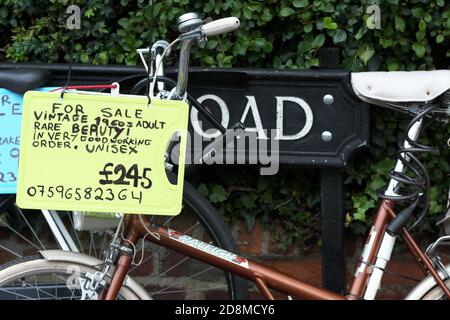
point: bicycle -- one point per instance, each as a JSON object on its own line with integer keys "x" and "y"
{"x": 430, "y": 98}
{"x": 76, "y": 232}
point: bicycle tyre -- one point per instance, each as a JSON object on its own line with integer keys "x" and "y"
{"x": 218, "y": 232}
{"x": 13, "y": 277}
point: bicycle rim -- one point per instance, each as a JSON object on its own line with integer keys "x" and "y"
{"x": 34, "y": 278}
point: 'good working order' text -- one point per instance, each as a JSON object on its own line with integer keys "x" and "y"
{"x": 110, "y": 131}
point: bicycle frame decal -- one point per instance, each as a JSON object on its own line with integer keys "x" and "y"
{"x": 366, "y": 251}
{"x": 208, "y": 248}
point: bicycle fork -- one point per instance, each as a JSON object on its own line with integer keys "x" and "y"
{"x": 125, "y": 258}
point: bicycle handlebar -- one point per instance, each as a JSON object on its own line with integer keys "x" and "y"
{"x": 217, "y": 27}
{"x": 220, "y": 26}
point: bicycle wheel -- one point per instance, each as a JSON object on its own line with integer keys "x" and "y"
{"x": 167, "y": 274}
{"x": 35, "y": 278}
{"x": 164, "y": 273}
{"x": 436, "y": 293}
{"x": 24, "y": 232}
{"x": 428, "y": 289}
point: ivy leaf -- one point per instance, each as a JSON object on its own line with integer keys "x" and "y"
{"x": 300, "y": 3}
{"x": 319, "y": 41}
{"x": 208, "y": 60}
{"x": 218, "y": 194}
{"x": 393, "y": 66}
{"x": 365, "y": 53}
{"x": 362, "y": 204}
{"x": 3, "y": 12}
{"x": 339, "y": 36}
{"x": 260, "y": 42}
{"x": 419, "y": 49}
{"x": 84, "y": 58}
{"x": 286, "y": 12}
{"x": 439, "y": 38}
{"x": 399, "y": 24}
{"x": 329, "y": 24}
{"x": 361, "y": 32}
{"x": 422, "y": 25}
{"x": 308, "y": 28}
{"x": 328, "y": 7}
{"x": 266, "y": 16}
{"x": 203, "y": 189}
{"x": 417, "y": 12}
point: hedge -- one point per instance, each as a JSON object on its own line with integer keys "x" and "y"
{"x": 414, "y": 35}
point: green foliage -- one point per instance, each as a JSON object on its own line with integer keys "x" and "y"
{"x": 287, "y": 203}
{"x": 274, "y": 33}
{"x": 366, "y": 178}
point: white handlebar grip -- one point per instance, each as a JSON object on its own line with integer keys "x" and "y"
{"x": 220, "y": 26}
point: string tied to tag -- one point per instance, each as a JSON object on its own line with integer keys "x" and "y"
{"x": 69, "y": 72}
{"x": 149, "y": 69}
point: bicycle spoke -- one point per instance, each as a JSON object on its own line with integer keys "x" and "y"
{"x": 187, "y": 290}
{"x": 80, "y": 246}
{"x": 56, "y": 288}
{"x": 37, "y": 291}
{"x": 157, "y": 251}
{"x": 168, "y": 220}
{"x": 29, "y": 225}
{"x": 22, "y": 283}
{"x": 15, "y": 293}
{"x": 185, "y": 279}
{"x": 168, "y": 270}
{"x": 91, "y": 243}
{"x": 102, "y": 248}
{"x": 21, "y": 236}
{"x": 10, "y": 251}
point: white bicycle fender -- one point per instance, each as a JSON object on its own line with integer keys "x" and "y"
{"x": 424, "y": 286}
{"x": 70, "y": 256}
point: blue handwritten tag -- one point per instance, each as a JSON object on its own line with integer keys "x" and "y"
{"x": 10, "y": 123}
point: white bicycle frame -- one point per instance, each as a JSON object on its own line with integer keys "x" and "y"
{"x": 59, "y": 230}
{"x": 388, "y": 242}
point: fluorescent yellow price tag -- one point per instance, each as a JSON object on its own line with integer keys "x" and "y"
{"x": 92, "y": 152}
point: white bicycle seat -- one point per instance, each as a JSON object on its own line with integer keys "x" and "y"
{"x": 400, "y": 86}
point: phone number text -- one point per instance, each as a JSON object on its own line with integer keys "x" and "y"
{"x": 98, "y": 193}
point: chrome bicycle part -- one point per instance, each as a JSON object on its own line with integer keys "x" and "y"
{"x": 188, "y": 22}
{"x": 192, "y": 28}
{"x": 437, "y": 261}
{"x": 90, "y": 283}
{"x": 159, "y": 47}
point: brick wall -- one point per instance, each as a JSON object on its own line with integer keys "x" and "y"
{"x": 260, "y": 246}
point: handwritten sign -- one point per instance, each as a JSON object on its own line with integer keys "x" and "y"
{"x": 10, "y": 122}
{"x": 99, "y": 153}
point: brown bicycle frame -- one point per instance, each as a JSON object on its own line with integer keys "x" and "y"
{"x": 266, "y": 277}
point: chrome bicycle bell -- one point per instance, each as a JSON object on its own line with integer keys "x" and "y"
{"x": 188, "y": 22}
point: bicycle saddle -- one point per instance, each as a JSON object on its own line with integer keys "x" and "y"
{"x": 401, "y": 86}
{"x": 22, "y": 80}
